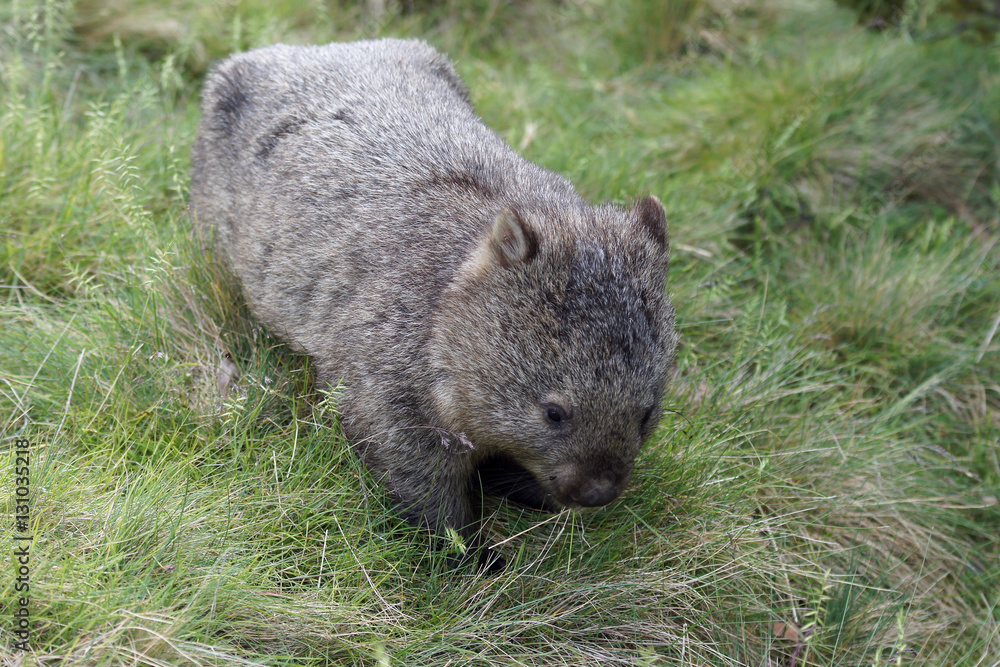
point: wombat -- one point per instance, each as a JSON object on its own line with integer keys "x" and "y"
{"x": 491, "y": 330}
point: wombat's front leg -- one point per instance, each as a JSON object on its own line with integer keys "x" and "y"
{"x": 432, "y": 491}
{"x": 437, "y": 498}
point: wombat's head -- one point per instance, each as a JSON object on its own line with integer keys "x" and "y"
{"x": 553, "y": 344}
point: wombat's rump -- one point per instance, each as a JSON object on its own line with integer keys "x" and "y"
{"x": 483, "y": 318}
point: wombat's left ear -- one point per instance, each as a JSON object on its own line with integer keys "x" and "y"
{"x": 512, "y": 240}
{"x": 652, "y": 219}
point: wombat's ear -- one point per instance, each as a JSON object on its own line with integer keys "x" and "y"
{"x": 653, "y": 220}
{"x": 512, "y": 241}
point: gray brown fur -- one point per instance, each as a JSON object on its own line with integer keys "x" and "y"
{"x": 480, "y": 314}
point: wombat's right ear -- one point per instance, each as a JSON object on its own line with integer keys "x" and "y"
{"x": 653, "y": 220}
{"x": 512, "y": 241}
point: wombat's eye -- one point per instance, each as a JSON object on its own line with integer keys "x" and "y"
{"x": 555, "y": 414}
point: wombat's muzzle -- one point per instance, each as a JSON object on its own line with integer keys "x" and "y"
{"x": 597, "y": 491}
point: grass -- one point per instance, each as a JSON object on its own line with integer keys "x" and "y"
{"x": 822, "y": 490}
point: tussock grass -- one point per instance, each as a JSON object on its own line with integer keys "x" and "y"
{"x": 822, "y": 489}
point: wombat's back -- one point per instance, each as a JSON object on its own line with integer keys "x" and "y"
{"x": 358, "y": 121}
{"x": 352, "y": 155}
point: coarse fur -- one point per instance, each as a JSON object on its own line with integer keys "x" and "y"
{"x": 486, "y": 323}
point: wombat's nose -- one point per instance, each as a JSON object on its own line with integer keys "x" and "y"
{"x": 598, "y": 491}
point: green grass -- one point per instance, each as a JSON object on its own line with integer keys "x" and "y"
{"x": 823, "y": 488}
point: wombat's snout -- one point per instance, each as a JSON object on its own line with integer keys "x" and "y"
{"x": 598, "y": 491}
{"x": 584, "y": 488}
